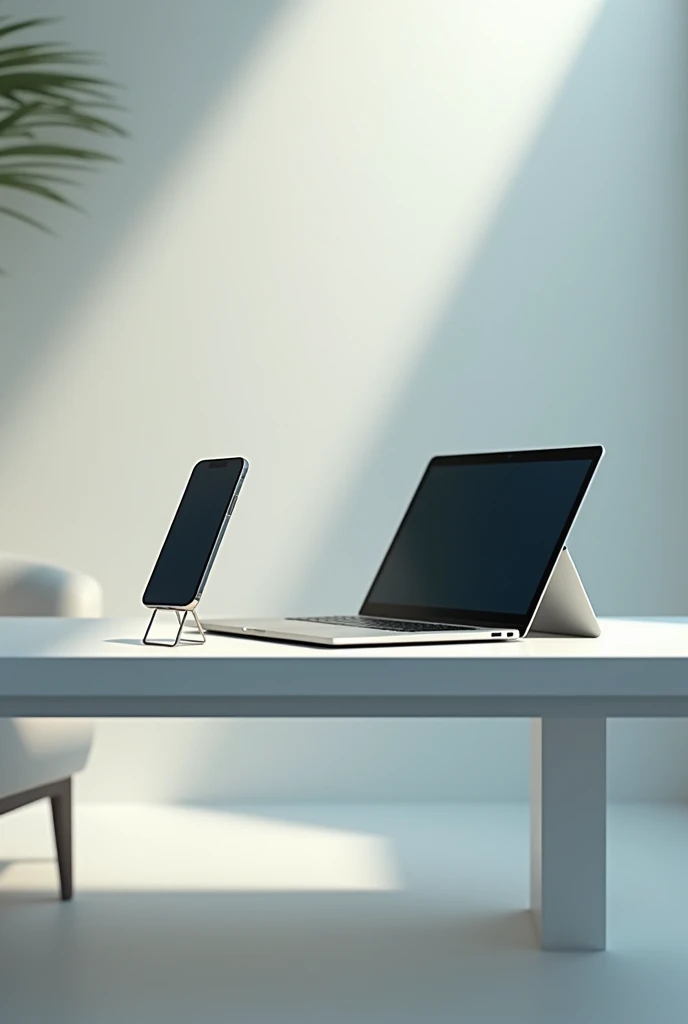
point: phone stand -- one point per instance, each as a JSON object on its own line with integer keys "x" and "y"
{"x": 179, "y": 639}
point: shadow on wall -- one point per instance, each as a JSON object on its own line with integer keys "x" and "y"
{"x": 569, "y": 327}
{"x": 173, "y": 59}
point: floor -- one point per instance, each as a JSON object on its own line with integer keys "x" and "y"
{"x": 329, "y": 914}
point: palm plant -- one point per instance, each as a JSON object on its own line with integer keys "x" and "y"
{"x": 47, "y": 106}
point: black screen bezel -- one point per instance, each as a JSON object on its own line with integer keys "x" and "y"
{"x": 475, "y": 617}
{"x": 204, "y": 464}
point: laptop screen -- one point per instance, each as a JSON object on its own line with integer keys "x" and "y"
{"x": 481, "y": 537}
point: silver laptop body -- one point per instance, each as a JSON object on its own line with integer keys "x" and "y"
{"x": 470, "y": 561}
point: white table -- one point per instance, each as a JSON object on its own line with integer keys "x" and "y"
{"x": 98, "y": 668}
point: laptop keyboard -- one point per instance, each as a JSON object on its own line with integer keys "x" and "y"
{"x": 394, "y": 625}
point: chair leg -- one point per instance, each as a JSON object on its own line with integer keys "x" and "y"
{"x": 62, "y": 821}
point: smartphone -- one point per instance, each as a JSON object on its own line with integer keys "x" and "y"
{"x": 194, "y": 537}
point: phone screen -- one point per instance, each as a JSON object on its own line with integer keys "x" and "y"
{"x": 197, "y": 527}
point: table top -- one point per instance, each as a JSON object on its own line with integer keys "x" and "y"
{"x": 99, "y": 667}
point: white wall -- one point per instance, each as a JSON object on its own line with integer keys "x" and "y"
{"x": 346, "y": 235}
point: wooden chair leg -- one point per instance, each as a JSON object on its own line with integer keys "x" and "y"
{"x": 62, "y": 821}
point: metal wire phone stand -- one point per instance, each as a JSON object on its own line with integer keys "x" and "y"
{"x": 179, "y": 638}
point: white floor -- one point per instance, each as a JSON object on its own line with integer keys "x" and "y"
{"x": 329, "y": 914}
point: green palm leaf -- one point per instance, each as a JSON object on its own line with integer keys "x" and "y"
{"x": 47, "y": 105}
{"x": 21, "y": 26}
{"x": 24, "y": 217}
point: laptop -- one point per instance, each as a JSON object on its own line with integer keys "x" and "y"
{"x": 470, "y": 561}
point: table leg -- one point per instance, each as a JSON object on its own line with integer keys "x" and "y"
{"x": 568, "y": 832}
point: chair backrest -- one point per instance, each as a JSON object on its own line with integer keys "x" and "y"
{"x": 34, "y": 751}
{"x": 34, "y": 588}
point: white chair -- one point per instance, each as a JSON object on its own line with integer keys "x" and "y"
{"x": 39, "y": 756}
